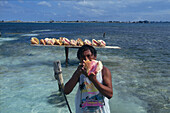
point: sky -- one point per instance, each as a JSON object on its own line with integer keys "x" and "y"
{"x": 85, "y": 10}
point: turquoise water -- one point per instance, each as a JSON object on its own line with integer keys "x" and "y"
{"x": 140, "y": 70}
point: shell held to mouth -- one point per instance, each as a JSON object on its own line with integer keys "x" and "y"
{"x": 93, "y": 67}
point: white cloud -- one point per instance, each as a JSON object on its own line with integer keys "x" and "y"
{"x": 59, "y": 4}
{"x": 54, "y": 14}
{"x": 97, "y": 11}
{"x": 21, "y": 1}
{"x": 68, "y": 15}
{"x": 88, "y": 8}
{"x": 77, "y": 8}
{"x": 44, "y": 3}
{"x": 3, "y": 3}
{"x": 149, "y": 7}
{"x": 85, "y": 3}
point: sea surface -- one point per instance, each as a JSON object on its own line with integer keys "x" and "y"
{"x": 140, "y": 69}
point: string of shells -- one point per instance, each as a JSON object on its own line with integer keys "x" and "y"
{"x": 65, "y": 41}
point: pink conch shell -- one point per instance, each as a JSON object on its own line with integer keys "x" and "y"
{"x": 93, "y": 67}
{"x": 65, "y": 41}
{"x": 49, "y": 41}
{"x": 95, "y": 42}
{"x": 101, "y": 43}
{"x": 42, "y": 42}
{"x": 34, "y": 40}
{"x": 73, "y": 42}
{"x": 58, "y": 42}
{"x": 87, "y": 42}
{"x": 80, "y": 42}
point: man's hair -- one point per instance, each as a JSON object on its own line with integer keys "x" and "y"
{"x": 85, "y": 48}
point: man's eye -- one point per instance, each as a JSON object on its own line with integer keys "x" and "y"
{"x": 88, "y": 56}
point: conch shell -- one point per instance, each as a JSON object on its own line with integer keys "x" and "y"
{"x": 58, "y": 42}
{"x": 42, "y": 42}
{"x": 87, "y": 42}
{"x": 34, "y": 40}
{"x": 73, "y": 42}
{"x": 101, "y": 43}
{"x": 49, "y": 41}
{"x": 93, "y": 67}
{"x": 95, "y": 42}
{"x": 80, "y": 42}
{"x": 64, "y": 41}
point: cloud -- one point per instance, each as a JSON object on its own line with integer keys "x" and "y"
{"x": 84, "y": 3}
{"x": 97, "y": 11}
{"x": 149, "y": 7}
{"x": 44, "y": 3}
{"x": 87, "y": 9}
{"x": 3, "y": 3}
{"x": 59, "y": 4}
{"x": 21, "y": 1}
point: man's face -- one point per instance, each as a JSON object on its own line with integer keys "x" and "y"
{"x": 87, "y": 55}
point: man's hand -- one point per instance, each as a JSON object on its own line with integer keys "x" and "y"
{"x": 84, "y": 71}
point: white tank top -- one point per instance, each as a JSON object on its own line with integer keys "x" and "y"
{"x": 88, "y": 99}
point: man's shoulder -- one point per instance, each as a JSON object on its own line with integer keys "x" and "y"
{"x": 105, "y": 70}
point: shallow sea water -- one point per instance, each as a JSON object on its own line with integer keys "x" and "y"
{"x": 140, "y": 70}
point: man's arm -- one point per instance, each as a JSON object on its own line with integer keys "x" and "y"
{"x": 69, "y": 86}
{"x": 105, "y": 88}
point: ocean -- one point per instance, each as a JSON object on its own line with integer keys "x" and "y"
{"x": 140, "y": 69}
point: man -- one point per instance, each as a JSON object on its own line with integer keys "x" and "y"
{"x": 94, "y": 91}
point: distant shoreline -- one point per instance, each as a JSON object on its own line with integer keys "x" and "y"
{"x": 52, "y": 21}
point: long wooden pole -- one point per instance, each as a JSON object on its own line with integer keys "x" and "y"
{"x": 58, "y": 76}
